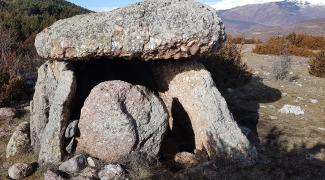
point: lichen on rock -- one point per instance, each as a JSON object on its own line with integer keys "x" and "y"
{"x": 163, "y": 29}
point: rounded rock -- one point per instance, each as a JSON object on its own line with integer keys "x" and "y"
{"x": 112, "y": 171}
{"x": 185, "y": 160}
{"x": 118, "y": 118}
{"x": 7, "y": 113}
{"x": 20, "y": 171}
{"x": 74, "y": 165}
{"x": 19, "y": 141}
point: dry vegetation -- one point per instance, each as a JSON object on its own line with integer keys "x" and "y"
{"x": 297, "y": 44}
{"x": 226, "y": 67}
{"x": 317, "y": 65}
{"x": 11, "y": 85}
{"x": 243, "y": 40}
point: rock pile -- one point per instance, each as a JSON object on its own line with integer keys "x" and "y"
{"x": 128, "y": 76}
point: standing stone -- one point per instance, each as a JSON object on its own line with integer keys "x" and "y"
{"x": 19, "y": 141}
{"x": 118, "y": 118}
{"x": 190, "y": 86}
{"x": 151, "y": 29}
{"x": 50, "y": 110}
{"x": 20, "y": 171}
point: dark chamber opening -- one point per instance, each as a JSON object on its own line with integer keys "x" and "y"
{"x": 93, "y": 72}
{"x": 182, "y": 128}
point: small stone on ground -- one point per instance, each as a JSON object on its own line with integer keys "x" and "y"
{"x": 290, "y": 109}
{"x": 20, "y": 171}
{"x": 74, "y": 165}
{"x": 112, "y": 171}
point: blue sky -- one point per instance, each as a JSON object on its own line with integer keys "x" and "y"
{"x": 105, "y": 5}
{"x": 109, "y": 4}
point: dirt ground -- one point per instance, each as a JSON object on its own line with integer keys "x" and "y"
{"x": 290, "y": 146}
{"x": 302, "y": 90}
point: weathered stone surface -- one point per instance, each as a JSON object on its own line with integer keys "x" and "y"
{"x": 7, "y": 113}
{"x": 70, "y": 147}
{"x": 71, "y": 129}
{"x": 86, "y": 174}
{"x": 118, "y": 118}
{"x": 290, "y": 109}
{"x": 93, "y": 162}
{"x": 74, "y": 165}
{"x": 185, "y": 160}
{"x": 51, "y": 175}
{"x": 20, "y": 171}
{"x": 19, "y": 141}
{"x": 152, "y": 29}
{"x": 188, "y": 87}
{"x": 50, "y": 110}
{"x": 112, "y": 171}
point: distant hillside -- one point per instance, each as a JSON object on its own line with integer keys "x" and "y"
{"x": 20, "y": 21}
{"x": 274, "y": 18}
{"x": 25, "y": 17}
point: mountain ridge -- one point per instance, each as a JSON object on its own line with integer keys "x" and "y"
{"x": 279, "y": 17}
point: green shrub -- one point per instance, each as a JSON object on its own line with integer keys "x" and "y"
{"x": 317, "y": 65}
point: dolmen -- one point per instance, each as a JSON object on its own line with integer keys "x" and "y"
{"x": 127, "y": 80}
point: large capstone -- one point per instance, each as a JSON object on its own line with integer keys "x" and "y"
{"x": 151, "y": 29}
{"x": 50, "y": 110}
{"x": 199, "y": 115}
{"x": 118, "y": 118}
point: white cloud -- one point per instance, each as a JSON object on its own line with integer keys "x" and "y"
{"x": 227, "y": 4}
{"x": 103, "y": 9}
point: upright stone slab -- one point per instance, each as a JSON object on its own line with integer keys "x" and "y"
{"x": 50, "y": 110}
{"x": 189, "y": 87}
